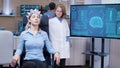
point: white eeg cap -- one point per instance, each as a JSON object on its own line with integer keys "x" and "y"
{"x": 35, "y": 11}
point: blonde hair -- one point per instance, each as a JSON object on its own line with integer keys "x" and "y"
{"x": 63, "y": 10}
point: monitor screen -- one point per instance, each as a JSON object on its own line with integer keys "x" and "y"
{"x": 26, "y": 8}
{"x": 95, "y": 20}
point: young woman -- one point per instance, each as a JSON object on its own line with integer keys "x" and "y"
{"x": 59, "y": 34}
{"x": 34, "y": 39}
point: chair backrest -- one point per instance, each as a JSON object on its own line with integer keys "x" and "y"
{"x": 6, "y": 47}
{"x": 44, "y": 23}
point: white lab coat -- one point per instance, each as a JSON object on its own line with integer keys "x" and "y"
{"x": 57, "y": 33}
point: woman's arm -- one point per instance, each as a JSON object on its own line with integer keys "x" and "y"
{"x": 67, "y": 31}
{"x": 18, "y": 52}
{"x": 48, "y": 45}
{"x": 51, "y": 50}
{"x": 20, "y": 45}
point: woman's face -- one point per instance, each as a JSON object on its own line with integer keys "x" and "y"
{"x": 34, "y": 19}
{"x": 59, "y": 12}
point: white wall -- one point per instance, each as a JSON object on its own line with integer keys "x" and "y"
{"x": 115, "y": 54}
{"x": 110, "y": 1}
{"x": 92, "y": 1}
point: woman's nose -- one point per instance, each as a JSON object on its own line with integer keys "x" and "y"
{"x": 36, "y": 18}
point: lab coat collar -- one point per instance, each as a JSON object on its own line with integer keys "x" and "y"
{"x": 60, "y": 19}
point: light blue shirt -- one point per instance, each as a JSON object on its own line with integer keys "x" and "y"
{"x": 34, "y": 45}
{"x": 50, "y": 14}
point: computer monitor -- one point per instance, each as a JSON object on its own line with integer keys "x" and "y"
{"x": 26, "y": 8}
{"x": 95, "y": 20}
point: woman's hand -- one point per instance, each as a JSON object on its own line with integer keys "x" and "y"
{"x": 57, "y": 57}
{"x": 15, "y": 60}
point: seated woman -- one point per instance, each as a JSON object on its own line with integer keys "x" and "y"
{"x": 34, "y": 39}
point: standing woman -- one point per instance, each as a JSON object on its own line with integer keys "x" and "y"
{"x": 34, "y": 39}
{"x": 59, "y": 34}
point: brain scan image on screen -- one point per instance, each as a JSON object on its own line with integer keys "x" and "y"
{"x": 118, "y": 28}
{"x": 118, "y": 15}
{"x": 96, "y": 22}
{"x": 99, "y": 20}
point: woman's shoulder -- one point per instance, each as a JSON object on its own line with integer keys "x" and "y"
{"x": 23, "y": 32}
{"x": 52, "y": 18}
{"x": 43, "y": 32}
{"x": 64, "y": 19}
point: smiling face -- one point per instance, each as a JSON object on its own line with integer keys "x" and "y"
{"x": 34, "y": 19}
{"x": 59, "y": 12}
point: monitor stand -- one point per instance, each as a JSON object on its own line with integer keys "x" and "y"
{"x": 92, "y": 53}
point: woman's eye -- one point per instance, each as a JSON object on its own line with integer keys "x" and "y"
{"x": 38, "y": 17}
{"x": 33, "y": 16}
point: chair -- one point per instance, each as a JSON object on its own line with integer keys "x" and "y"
{"x": 6, "y": 47}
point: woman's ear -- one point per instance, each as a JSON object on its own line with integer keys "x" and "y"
{"x": 29, "y": 21}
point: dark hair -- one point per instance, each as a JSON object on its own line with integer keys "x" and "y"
{"x": 52, "y": 5}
